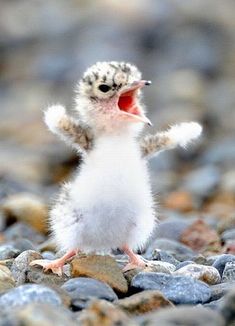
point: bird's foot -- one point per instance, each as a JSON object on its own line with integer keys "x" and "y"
{"x": 135, "y": 261}
{"x": 56, "y": 266}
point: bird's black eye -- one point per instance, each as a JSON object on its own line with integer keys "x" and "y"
{"x": 104, "y": 88}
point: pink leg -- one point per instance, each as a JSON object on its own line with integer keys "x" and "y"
{"x": 56, "y": 266}
{"x": 135, "y": 261}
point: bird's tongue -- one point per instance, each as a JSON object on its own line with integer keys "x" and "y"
{"x": 127, "y": 104}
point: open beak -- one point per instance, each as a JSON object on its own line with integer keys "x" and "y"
{"x": 127, "y": 103}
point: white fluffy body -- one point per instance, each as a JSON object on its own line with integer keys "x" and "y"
{"x": 109, "y": 203}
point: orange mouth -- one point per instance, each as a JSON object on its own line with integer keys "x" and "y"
{"x": 127, "y": 102}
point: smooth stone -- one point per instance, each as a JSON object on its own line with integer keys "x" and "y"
{"x": 184, "y": 263}
{"x": 24, "y": 273}
{"x": 23, "y": 244}
{"x": 27, "y": 208}
{"x": 22, "y": 230}
{"x": 183, "y": 316}
{"x": 219, "y": 290}
{"x": 29, "y": 293}
{"x": 214, "y": 305}
{"x": 102, "y": 268}
{"x": 171, "y": 228}
{"x": 143, "y": 302}
{"x": 7, "y": 281}
{"x": 220, "y": 152}
{"x": 229, "y": 272}
{"x": 228, "y": 235}
{"x": 161, "y": 255}
{"x": 83, "y": 289}
{"x": 174, "y": 248}
{"x": 227, "y": 308}
{"x": 176, "y": 288}
{"x": 207, "y": 274}
{"x": 193, "y": 181}
{"x": 20, "y": 266}
{"x": 48, "y": 255}
{"x": 8, "y": 251}
{"x": 201, "y": 237}
{"x": 221, "y": 261}
{"x": 36, "y": 314}
{"x": 101, "y": 312}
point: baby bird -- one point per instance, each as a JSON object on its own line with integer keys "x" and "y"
{"x": 108, "y": 204}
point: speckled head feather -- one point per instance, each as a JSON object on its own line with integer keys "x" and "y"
{"x": 114, "y": 75}
{"x": 108, "y": 97}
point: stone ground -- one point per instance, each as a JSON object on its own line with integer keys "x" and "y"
{"x": 187, "y": 49}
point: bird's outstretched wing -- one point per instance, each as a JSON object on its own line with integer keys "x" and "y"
{"x": 72, "y": 131}
{"x": 177, "y": 135}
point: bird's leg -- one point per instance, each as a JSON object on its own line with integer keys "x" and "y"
{"x": 135, "y": 261}
{"x": 56, "y": 266}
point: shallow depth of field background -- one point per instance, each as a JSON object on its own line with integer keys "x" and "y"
{"x": 187, "y": 49}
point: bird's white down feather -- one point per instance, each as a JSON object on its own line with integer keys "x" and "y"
{"x": 184, "y": 133}
{"x": 110, "y": 202}
{"x": 53, "y": 115}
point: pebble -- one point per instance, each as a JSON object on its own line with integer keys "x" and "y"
{"x": 228, "y": 235}
{"x": 27, "y": 208}
{"x": 7, "y": 281}
{"x": 227, "y": 308}
{"x": 8, "y": 251}
{"x": 176, "y": 288}
{"x": 219, "y": 290}
{"x": 184, "y": 315}
{"x": 229, "y": 272}
{"x": 180, "y": 201}
{"x": 200, "y": 236}
{"x": 143, "y": 302}
{"x": 171, "y": 228}
{"x": 193, "y": 181}
{"x": 29, "y": 293}
{"x": 207, "y": 274}
{"x": 161, "y": 255}
{"x": 178, "y": 250}
{"x": 83, "y": 289}
{"x": 221, "y": 261}
{"x": 20, "y": 266}
{"x": 102, "y": 268}
{"x": 23, "y": 230}
{"x": 36, "y": 314}
{"x": 101, "y": 312}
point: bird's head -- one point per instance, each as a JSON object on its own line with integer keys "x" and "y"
{"x": 109, "y": 96}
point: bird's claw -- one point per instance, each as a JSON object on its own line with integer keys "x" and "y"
{"x": 55, "y": 266}
{"x": 141, "y": 264}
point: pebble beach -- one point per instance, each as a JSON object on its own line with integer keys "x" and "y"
{"x": 186, "y": 48}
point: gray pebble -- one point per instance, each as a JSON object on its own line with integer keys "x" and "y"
{"x": 161, "y": 255}
{"x": 202, "y": 182}
{"x": 219, "y": 290}
{"x": 183, "y": 316}
{"x": 23, "y": 230}
{"x": 8, "y": 251}
{"x": 228, "y": 235}
{"x": 221, "y": 261}
{"x": 83, "y": 289}
{"x": 29, "y": 293}
{"x": 229, "y": 272}
{"x": 178, "y": 250}
{"x": 179, "y": 289}
{"x": 20, "y": 266}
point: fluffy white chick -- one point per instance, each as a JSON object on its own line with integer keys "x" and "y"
{"x": 108, "y": 204}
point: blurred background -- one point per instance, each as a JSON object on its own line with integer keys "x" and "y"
{"x": 187, "y": 49}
